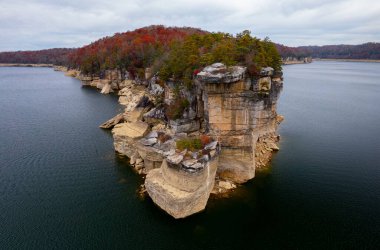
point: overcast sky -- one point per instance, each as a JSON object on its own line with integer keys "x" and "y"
{"x": 39, "y": 24}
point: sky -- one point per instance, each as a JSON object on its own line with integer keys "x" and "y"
{"x": 41, "y": 24}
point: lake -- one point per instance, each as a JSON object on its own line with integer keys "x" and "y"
{"x": 63, "y": 187}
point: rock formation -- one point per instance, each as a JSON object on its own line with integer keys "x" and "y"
{"x": 184, "y": 138}
{"x": 240, "y": 112}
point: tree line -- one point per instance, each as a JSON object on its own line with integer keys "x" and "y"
{"x": 174, "y": 53}
{"x": 47, "y": 56}
{"x": 361, "y": 51}
{"x": 171, "y": 52}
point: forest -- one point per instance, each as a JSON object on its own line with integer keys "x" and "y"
{"x": 47, "y": 56}
{"x": 171, "y": 52}
{"x": 362, "y": 51}
{"x": 175, "y": 53}
{"x": 295, "y": 52}
{"x": 178, "y": 53}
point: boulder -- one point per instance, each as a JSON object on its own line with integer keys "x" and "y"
{"x": 72, "y": 73}
{"x": 273, "y": 146}
{"x": 155, "y": 115}
{"x": 152, "y": 134}
{"x": 184, "y": 125}
{"x": 131, "y": 129}
{"x": 178, "y": 192}
{"x": 148, "y": 141}
{"x": 267, "y": 71}
{"x": 219, "y": 73}
{"x": 113, "y": 121}
{"x": 175, "y": 158}
{"x": 106, "y": 89}
{"x": 134, "y": 115}
{"x": 211, "y": 145}
{"x": 264, "y": 84}
{"x": 131, "y": 96}
{"x": 226, "y": 185}
{"x": 156, "y": 89}
{"x": 189, "y": 163}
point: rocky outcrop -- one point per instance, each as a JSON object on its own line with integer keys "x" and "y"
{"x": 125, "y": 134}
{"x": 296, "y": 60}
{"x": 191, "y": 141}
{"x": 178, "y": 192}
{"x": 239, "y": 113}
{"x": 72, "y": 73}
{"x": 131, "y": 129}
{"x": 113, "y": 121}
{"x": 183, "y": 183}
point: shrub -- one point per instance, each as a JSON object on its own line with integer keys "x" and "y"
{"x": 176, "y": 109}
{"x": 205, "y": 139}
{"x": 190, "y": 144}
{"x": 162, "y": 137}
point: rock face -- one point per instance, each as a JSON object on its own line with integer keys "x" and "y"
{"x": 219, "y": 73}
{"x": 113, "y": 121}
{"x": 131, "y": 129}
{"x": 225, "y": 130}
{"x": 125, "y": 134}
{"x": 179, "y": 192}
{"x": 239, "y": 113}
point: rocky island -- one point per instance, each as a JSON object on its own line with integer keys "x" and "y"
{"x": 194, "y": 124}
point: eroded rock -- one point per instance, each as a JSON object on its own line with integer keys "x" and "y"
{"x": 131, "y": 129}
{"x": 113, "y": 121}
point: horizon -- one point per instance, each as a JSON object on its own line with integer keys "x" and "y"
{"x": 96, "y": 39}
{"x": 43, "y": 24}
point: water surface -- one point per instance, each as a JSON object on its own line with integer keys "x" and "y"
{"x": 62, "y": 187}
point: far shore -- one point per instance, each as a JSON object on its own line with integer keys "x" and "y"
{"x": 25, "y": 65}
{"x": 294, "y": 62}
{"x": 347, "y": 60}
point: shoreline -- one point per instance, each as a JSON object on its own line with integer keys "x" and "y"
{"x": 179, "y": 181}
{"x": 348, "y": 60}
{"x": 26, "y": 65}
{"x": 294, "y": 62}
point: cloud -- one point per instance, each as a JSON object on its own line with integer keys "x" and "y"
{"x": 38, "y": 24}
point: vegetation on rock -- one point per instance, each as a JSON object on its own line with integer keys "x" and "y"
{"x": 174, "y": 53}
{"x": 175, "y": 110}
{"x": 189, "y": 144}
{"x": 132, "y": 51}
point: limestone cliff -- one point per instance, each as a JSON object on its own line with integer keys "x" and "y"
{"x": 184, "y": 138}
{"x": 242, "y": 112}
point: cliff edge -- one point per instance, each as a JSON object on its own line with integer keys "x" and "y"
{"x": 191, "y": 141}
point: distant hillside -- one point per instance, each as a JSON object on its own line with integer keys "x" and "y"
{"x": 294, "y": 52}
{"x": 362, "y": 51}
{"x": 47, "y": 56}
{"x": 173, "y": 52}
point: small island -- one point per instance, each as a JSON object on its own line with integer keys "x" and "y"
{"x": 200, "y": 114}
